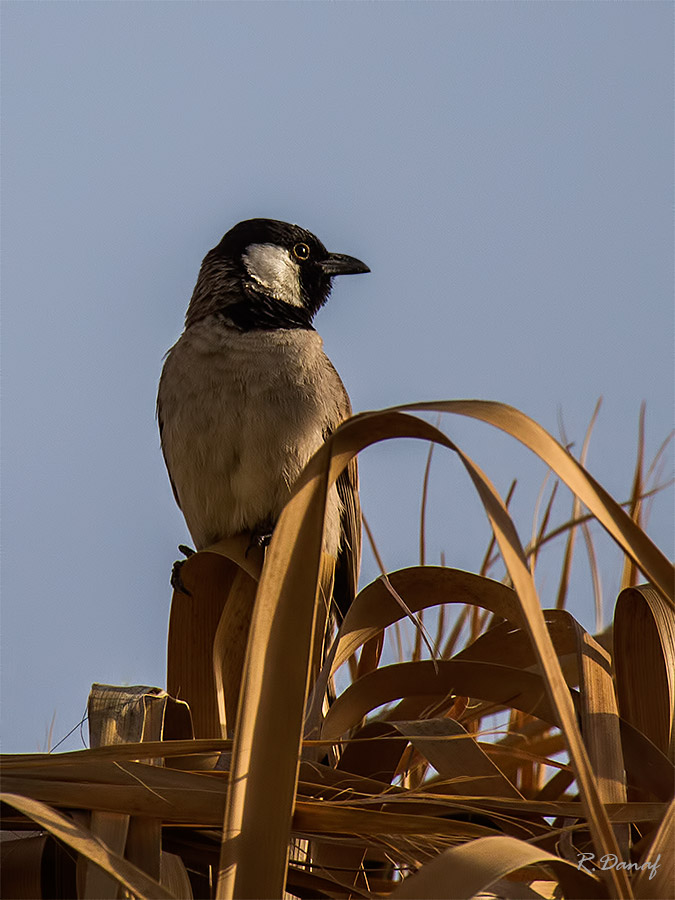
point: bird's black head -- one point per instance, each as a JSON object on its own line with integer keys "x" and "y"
{"x": 269, "y": 274}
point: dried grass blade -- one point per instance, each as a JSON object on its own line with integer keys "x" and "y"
{"x": 465, "y": 871}
{"x": 311, "y": 884}
{"x": 455, "y": 632}
{"x": 458, "y": 756}
{"x": 266, "y": 750}
{"x": 135, "y": 751}
{"x": 644, "y": 659}
{"x": 229, "y": 647}
{"x": 488, "y": 559}
{"x": 538, "y": 532}
{"x": 600, "y": 724}
{"x": 498, "y": 684}
{"x": 649, "y": 772}
{"x": 595, "y": 575}
{"x": 422, "y": 588}
{"x": 21, "y": 864}
{"x": 333, "y": 818}
{"x": 374, "y": 609}
{"x": 81, "y": 840}
{"x": 576, "y": 510}
{"x": 505, "y": 645}
{"x": 174, "y": 876}
{"x": 174, "y": 805}
{"x": 193, "y": 622}
{"x": 299, "y": 523}
{"x": 417, "y": 621}
{"x": 629, "y": 577}
{"x": 656, "y": 877}
{"x": 514, "y": 558}
{"x": 446, "y": 802}
{"x": 425, "y": 497}
{"x": 607, "y": 511}
{"x": 269, "y": 724}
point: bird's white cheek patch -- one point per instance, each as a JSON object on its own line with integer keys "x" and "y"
{"x": 272, "y": 267}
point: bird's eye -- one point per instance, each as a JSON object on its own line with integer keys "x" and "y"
{"x": 301, "y": 251}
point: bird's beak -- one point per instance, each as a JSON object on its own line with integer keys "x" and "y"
{"x": 341, "y": 264}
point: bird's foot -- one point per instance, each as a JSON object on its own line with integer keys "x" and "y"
{"x": 176, "y": 580}
{"x": 259, "y": 540}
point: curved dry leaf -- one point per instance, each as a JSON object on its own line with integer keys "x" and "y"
{"x": 81, "y": 840}
{"x": 507, "y": 645}
{"x": 22, "y": 861}
{"x": 462, "y": 872}
{"x": 648, "y": 770}
{"x": 229, "y": 647}
{"x": 629, "y": 577}
{"x": 374, "y": 609}
{"x": 218, "y": 579}
{"x": 371, "y": 756}
{"x": 607, "y": 511}
{"x": 422, "y": 587}
{"x": 521, "y": 810}
{"x": 459, "y": 761}
{"x": 512, "y": 553}
{"x": 576, "y": 511}
{"x": 656, "y": 878}
{"x": 584, "y": 659}
{"x": 238, "y": 550}
{"x": 193, "y": 622}
{"x": 373, "y": 751}
{"x": 333, "y": 818}
{"x": 599, "y": 716}
{"x": 173, "y": 804}
{"x": 324, "y": 781}
{"x": 644, "y": 659}
{"x": 174, "y": 876}
{"x": 116, "y": 771}
{"x": 301, "y": 883}
{"x": 555, "y": 787}
{"x": 282, "y": 630}
{"x": 538, "y": 531}
{"x": 140, "y": 750}
{"x": 269, "y": 723}
{"x": 269, "y": 729}
{"x": 498, "y": 684}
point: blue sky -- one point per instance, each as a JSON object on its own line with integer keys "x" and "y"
{"x": 505, "y": 169}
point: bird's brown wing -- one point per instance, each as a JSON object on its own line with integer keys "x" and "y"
{"x": 349, "y": 557}
{"x": 160, "y": 423}
{"x": 348, "y": 562}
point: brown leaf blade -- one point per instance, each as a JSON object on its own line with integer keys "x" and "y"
{"x": 128, "y": 875}
{"x": 461, "y": 872}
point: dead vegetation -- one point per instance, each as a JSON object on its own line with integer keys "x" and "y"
{"x": 509, "y": 746}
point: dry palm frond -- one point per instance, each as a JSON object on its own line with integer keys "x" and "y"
{"x": 498, "y": 760}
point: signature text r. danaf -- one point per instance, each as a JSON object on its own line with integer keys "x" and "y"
{"x": 611, "y": 861}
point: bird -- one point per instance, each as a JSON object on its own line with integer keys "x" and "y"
{"x": 247, "y": 394}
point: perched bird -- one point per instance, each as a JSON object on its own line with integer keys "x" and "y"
{"x": 247, "y": 394}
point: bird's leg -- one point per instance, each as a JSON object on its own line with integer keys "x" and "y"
{"x": 176, "y": 580}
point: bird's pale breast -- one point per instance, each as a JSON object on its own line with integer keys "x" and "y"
{"x": 241, "y": 414}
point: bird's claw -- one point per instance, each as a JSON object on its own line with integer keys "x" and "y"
{"x": 176, "y": 580}
{"x": 259, "y": 540}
